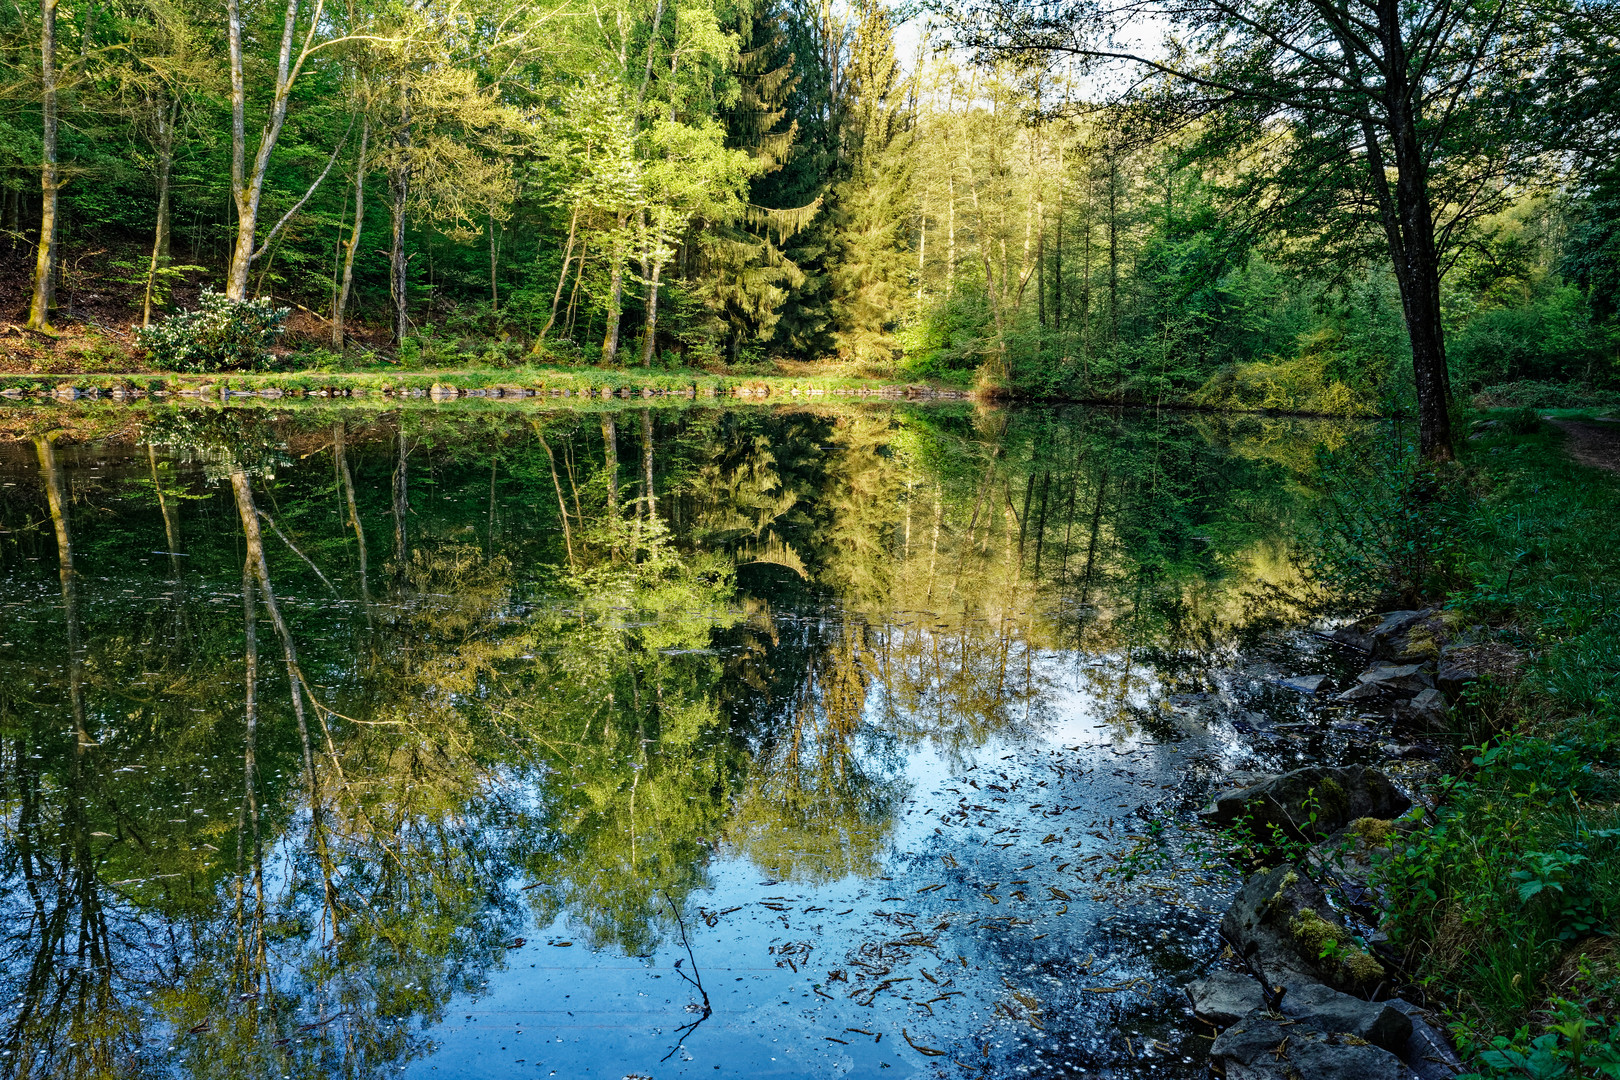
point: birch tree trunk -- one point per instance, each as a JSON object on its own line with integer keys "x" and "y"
{"x": 649, "y": 340}
{"x": 562, "y": 276}
{"x": 247, "y": 186}
{"x": 398, "y": 262}
{"x": 44, "y": 296}
{"x": 610, "y": 340}
{"x": 160, "y": 232}
{"x": 353, "y": 242}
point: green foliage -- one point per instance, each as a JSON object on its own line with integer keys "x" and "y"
{"x": 1519, "y": 876}
{"x": 221, "y": 335}
{"x": 1386, "y": 528}
{"x": 1575, "y": 1044}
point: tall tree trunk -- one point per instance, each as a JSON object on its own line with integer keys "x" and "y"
{"x": 247, "y": 187}
{"x": 562, "y": 277}
{"x": 950, "y": 234}
{"x": 398, "y": 261}
{"x": 1408, "y": 221}
{"x": 39, "y": 307}
{"x": 573, "y": 294}
{"x": 353, "y": 243}
{"x": 494, "y": 261}
{"x": 1040, "y": 264}
{"x": 610, "y": 339}
{"x": 649, "y": 340}
{"x": 1057, "y": 255}
{"x": 166, "y": 120}
{"x": 1113, "y": 246}
{"x": 922, "y": 255}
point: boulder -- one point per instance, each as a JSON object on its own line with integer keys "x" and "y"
{"x": 1416, "y": 641}
{"x": 1304, "y": 684}
{"x": 1426, "y": 709}
{"x": 1338, "y": 796}
{"x": 1426, "y": 1053}
{"x": 1356, "y": 635}
{"x": 1333, "y": 1013}
{"x": 1225, "y": 997}
{"x": 1265, "y": 1046}
{"x": 1394, "y": 623}
{"x": 1280, "y": 923}
{"x": 1389, "y": 680}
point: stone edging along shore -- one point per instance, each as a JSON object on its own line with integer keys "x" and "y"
{"x": 1312, "y": 991}
{"x": 449, "y": 386}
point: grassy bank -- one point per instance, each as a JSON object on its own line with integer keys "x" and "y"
{"x": 1504, "y": 910}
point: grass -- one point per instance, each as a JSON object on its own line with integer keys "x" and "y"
{"x": 1505, "y": 907}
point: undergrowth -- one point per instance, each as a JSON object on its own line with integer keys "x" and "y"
{"x": 1504, "y": 908}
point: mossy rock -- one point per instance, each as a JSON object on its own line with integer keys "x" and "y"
{"x": 1308, "y": 804}
{"x": 1281, "y": 922}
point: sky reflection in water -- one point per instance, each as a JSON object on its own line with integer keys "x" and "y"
{"x": 897, "y": 712}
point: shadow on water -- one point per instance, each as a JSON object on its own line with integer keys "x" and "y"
{"x": 795, "y": 742}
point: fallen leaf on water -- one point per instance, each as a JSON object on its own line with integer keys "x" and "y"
{"x": 926, "y": 1051}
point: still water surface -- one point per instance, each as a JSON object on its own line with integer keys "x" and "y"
{"x": 641, "y": 742}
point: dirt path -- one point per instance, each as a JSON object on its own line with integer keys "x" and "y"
{"x": 1592, "y": 443}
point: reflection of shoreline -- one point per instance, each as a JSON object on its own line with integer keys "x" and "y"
{"x": 664, "y": 714}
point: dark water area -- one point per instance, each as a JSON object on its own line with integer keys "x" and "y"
{"x": 642, "y": 742}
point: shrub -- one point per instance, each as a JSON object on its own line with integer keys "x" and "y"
{"x": 221, "y": 335}
{"x": 1386, "y": 527}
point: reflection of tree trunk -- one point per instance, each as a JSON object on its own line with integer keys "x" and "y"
{"x": 1040, "y": 525}
{"x": 562, "y": 507}
{"x": 1023, "y": 519}
{"x": 171, "y": 518}
{"x": 933, "y": 547}
{"x": 402, "y": 504}
{"x": 55, "y": 496}
{"x": 1068, "y": 530}
{"x": 341, "y": 458}
{"x": 647, "y": 462}
{"x": 249, "y": 936}
{"x": 1091, "y": 546}
{"x": 573, "y": 483}
{"x": 255, "y": 555}
{"x": 610, "y": 469}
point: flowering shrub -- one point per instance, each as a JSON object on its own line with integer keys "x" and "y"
{"x": 222, "y": 334}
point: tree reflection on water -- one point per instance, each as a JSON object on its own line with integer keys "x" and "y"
{"x": 251, "y": 827}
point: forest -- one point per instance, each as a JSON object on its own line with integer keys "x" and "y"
{"x": 1313, "y": 206}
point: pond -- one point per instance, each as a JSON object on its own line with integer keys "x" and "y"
{"x": 509, "y": 740}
